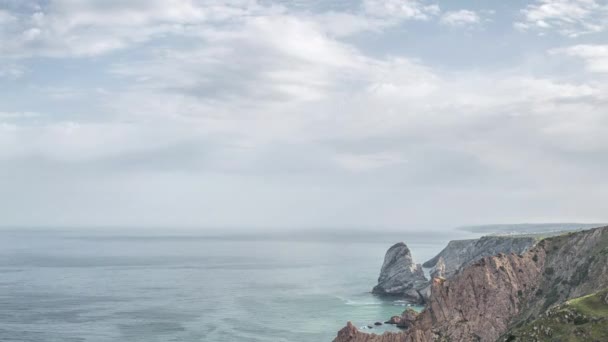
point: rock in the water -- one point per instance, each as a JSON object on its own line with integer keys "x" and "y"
{"x": 378, "y": 323}
{"x": 407, "y": 318}
{"x": 400, "y": 276}
{"x": 394, "y": 320}
{"x": 369, "y": 327}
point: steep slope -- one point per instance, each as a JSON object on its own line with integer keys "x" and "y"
{"x": 460, "y": 253}
{"x": 497, "y": 293}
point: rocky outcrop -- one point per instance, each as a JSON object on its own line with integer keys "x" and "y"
{"x": 408, "y": 317}
{"x": 399, "y": 275}
{"x": 351, "y": 334}
{"x": 460, "y": 253}
{"x": 485, "y": 299}
{"x": 394, "y": 320}
{"x": 439, "y": 270}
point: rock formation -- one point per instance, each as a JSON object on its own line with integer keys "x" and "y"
{"x": 394, "y": 320}
{"x": 399, "y": 275}
{"x": 461, "y": 253}
{"x": 408, "y": 317}
{"x": 487, "y": 298}
{"x": 439, "y": 270}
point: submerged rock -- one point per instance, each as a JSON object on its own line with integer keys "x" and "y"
{"x": 399, "y": 275}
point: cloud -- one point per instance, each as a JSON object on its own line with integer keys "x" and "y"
{"x": 568, "y": 17}
{"x": 401, "y": 9}
{"x": 88, "y": 28}
{"x": 290, "y": 111}
{"x": 594, "y": 56}
{"x": 10, "y": 70}
{"x": 460, "y": 18}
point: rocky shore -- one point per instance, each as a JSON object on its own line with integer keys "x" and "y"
{"x": 491, "y": 298}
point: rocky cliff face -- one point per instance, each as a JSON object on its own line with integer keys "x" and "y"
{"x": 460, "y": 253}
{"x": 399, "y": 275}
{"x": 486, "y": 299}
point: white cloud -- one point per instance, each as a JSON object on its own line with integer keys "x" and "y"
{"x": 11, "y": 70}
{"x": 6, "y": 17}
{"x": 460, "y": 18}
{"x": 568, "y": 17}
{"x": 594, "y": 56}
{"x": 401, "y": 9}
{"x": 87, "y": 28}
{"x": 248, "y": 91}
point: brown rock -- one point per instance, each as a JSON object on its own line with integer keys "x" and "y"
{"x": 394, "y": 320}
{"x": 351, "y": 334}
{"x": 407, "y": 318}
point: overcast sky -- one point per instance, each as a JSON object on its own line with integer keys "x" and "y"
{"x": 303, "y": 113}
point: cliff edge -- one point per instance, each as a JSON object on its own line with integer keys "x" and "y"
{"x": 486, "y": 299}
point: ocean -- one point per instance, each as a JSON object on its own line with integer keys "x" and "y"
{"x": 78, "y": 285}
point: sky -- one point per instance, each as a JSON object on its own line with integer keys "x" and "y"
{"x": 278, "y": 114}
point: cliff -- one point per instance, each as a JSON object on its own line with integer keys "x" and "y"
{"x": 461, "y": 253}
{"x": 495, "y": 294}
{"x": 399, "y": 275}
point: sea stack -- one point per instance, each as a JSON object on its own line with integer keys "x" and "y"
{"x": 399, "y": 275}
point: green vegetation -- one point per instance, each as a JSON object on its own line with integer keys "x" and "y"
{"x": 591, "y": 305}
{"x": 580, "y": 319}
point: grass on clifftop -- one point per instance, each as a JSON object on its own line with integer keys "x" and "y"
{"x": 591, "y": 305}
{"x": 580, "y": 319}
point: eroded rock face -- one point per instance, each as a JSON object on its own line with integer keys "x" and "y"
{"x": 483, "y": 300}
{"x": 351, "y": 334}
{"x": 475, "y": 305}
{"x": 399, "y": 275}
{"x": 407, "y": 318}
{"x": 460, "y": 253}
{"x": 394, "y": 320}
{"x": 439, "y": 270}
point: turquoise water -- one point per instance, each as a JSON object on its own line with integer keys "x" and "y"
{"x": 96, "y": 286}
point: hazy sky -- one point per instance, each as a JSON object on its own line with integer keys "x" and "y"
{"x": 282, "y": 114}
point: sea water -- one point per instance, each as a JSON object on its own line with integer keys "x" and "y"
{"x": 79, "y": 285}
